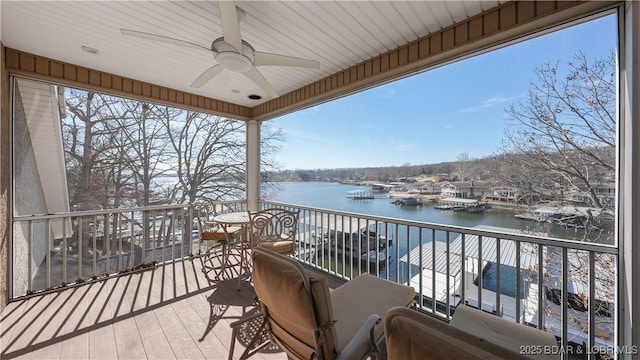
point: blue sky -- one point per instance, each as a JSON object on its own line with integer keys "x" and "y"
{"x": 434, "y": 116}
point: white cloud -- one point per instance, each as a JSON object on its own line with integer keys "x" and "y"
{"x": 305, "y": 137}
{"x": 407, "y": 147}
{"x": 489, "y": 103}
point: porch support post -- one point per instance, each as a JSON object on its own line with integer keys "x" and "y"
{"x": 253, "y": 164}
{"x": 6, "y": 283}
{"x": 629, "y": 208}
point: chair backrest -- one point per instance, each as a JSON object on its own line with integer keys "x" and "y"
{"x": 204, "y": 211}
{"x": 296, "y": 305}
{"x": 273, "y": 224}
{"x": 410, "y": 334}
{"x": 504, "y": 332}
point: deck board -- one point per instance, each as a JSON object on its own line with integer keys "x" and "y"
{"x": 173, "y": 311}
{"x": 170, "y": 311}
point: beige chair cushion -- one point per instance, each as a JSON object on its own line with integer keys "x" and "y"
{"x": 219, "y": 234}
{"x": 296, "y": 316}
{"x": 280, "y": 286}
{"x": 501, "y": 331}
{"x": 281, "y": 247}
{"x": 366, "y": 295}
{"x": 413, "y": 335}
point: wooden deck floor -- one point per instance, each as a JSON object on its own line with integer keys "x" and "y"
{"x": 171, "y": 312}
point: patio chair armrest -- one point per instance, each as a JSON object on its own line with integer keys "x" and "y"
{"x": 365, "y": 335}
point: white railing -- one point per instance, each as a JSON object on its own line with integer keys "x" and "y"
{"x": 513, "y": 274}
{"x": 517, "y": 275}
{"x": 57, "y": 250}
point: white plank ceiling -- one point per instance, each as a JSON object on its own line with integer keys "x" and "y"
{"x": 338, "y": 34}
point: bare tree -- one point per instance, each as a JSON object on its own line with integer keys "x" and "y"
{"x": 86, "y": 140}
{"x": 146, "y": 142}
{"x": 210, "y": 155}
{"x": 463, "y": 165}
{"x": 566, "y": 129}
{"x": 270, "y": 139}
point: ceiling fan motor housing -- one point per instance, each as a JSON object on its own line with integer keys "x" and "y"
{"x": 230, "y": 58}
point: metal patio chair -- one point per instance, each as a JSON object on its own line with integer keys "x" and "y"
{"x": 216, "y": 239}
{"x": 307, "y": 321}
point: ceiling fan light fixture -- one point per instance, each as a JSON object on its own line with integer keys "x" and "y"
{"x": 233, "y": 61}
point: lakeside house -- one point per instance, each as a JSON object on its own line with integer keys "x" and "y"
{"x": 429, "y": 187}
{"x": 464, "y": 189}
{"x": 504, "y": 193}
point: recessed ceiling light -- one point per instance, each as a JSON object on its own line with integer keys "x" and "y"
{"x": 89, "y": 49}
{"x": 254, "y": 97}
{"x": 235, "y": 91}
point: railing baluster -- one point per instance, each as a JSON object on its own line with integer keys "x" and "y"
{"x": 541, "y": 297}
{"x": 463, "y": 278}
{"x": 144, "y": 233}
{"x": 433, "y": 271}
{"x": 376, "y": 245}
{"x": 117, "y": 227}
{"x": 387, "y": 259}
{"x": 421, "y": 262}
{"x": 342, "y": 239}
{"x": 132, "y": 257}
{"x": 565, "y": 297}
{"x": 48, "y": 252}
{"x": 106, "y": 231}
{"x": 154, "y": 236}
{"x": 63, "y": 247}
{"x": 448, "y": 272}
{"x": 591, "y": 339}
{"x": 397, "y": 253}
{"x": 94, "y": 242}
{"x": 408, "y": 257}
{"x": 79, "y": 251}
{"x": 29, "y": 256}
{"x": 480, "y": 272}
{"x": 367, "y": 245}
{"x": 518, "y": 281}
{"x": 498, "y": 277}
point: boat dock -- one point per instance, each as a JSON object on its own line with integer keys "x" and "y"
{"x": 449, "y": 284}
{"x": 360, "y": 195}
{"x": 460, "y": 204}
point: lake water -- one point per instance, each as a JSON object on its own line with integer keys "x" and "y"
{"x": 331, "y": 196}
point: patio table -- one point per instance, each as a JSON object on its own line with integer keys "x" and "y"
{"x": 239, "y": 218}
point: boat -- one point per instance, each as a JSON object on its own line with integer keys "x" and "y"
{"x": 366, "y": 248}
{"x": 410, "y": 201}
{"x": 382, "y": 188}
{"x": 480, "y": 207}
{"x": 463, "y": 205}
{"x": 567, "y": 216}
{"x": 406, "y": 200}
{"x": 360, "y": 194}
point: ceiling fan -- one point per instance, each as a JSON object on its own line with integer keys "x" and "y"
{"x": 231, "y": 52}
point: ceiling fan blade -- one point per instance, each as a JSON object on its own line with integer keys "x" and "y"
{"x": 206, "y": 76}
{"x": 254, "y": 75}
{"x": 230, "y": 24}
{"x": 263, "y": 59}
{"x": 163, "y": 39}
